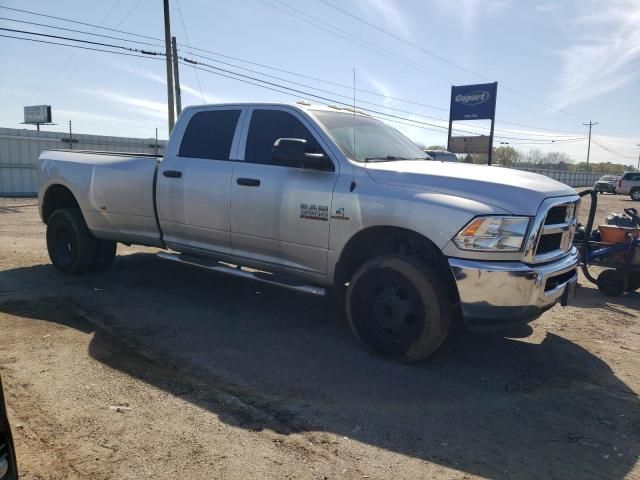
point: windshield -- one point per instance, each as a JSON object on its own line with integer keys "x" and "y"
{"x": 608, "y": 178}
{"x": 375, "y": 141}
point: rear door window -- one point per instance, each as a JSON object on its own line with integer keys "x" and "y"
{"x": 210, "y": 135}
{"x": 266, "y": 127}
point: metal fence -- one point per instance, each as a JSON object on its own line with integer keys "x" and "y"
{"x": 20, "y": 149}
{"x": 573, "y": 179}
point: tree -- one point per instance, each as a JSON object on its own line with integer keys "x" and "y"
{"x": 436, "y": 147}
{"x": 506, "y": 156}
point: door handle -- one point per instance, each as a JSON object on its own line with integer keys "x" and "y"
{"x": 172, "y": 174}
{"x": 248, "y": 182}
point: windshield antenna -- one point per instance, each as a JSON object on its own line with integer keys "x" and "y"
{"x": 355, "y": 155}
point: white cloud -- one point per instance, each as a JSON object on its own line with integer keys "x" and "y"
{"x": 161, "y": 79}
{"x": 608, "y": 59}
{"x": 469, "y": 11}
{"x": 144, "y": 106}
{"x": 378, "y": 86}
{"x": 388, "y": 12}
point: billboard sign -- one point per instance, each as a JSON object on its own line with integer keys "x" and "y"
{"x": 473, "y": 102}
{"x": 37, "y": 114}
{"x": 472, "y": 144}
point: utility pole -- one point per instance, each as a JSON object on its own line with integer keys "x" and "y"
{"x": 70, "y": 137}
{"x": 167, "y": 49}
{"x": 176, "y": 76}
{"x": 591, "y": 124}
{"x": 156, "y": 145}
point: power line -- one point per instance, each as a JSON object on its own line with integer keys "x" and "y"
{"x": 434, "y": 55}
{"x": 629, "y": 157}
{"x": 70, "y": 39}
{"x": 364, "y": 101}
{"x": 84, "y": 60}
{"x": 83, "y": 32}
{"x": 271, "y": 67}
{"x": 78, "y": 46}
{"x": 272, "y": 86}
{"x": 350, "y": 37}
{"x": 186, "y": 35}
{"x": 547, "y": 142}
{"x": 64, "y": 65}
{"x": 78, "y": 22}
{"x": 193, "y": 62}
{"x": 629, "y": 154}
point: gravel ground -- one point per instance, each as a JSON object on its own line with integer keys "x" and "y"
{"x": 156, "y": 370}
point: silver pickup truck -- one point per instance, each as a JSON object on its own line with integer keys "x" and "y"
{"x": 315, "y": 198}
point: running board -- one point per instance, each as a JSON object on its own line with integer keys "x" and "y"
{"x": 260, "y": 276}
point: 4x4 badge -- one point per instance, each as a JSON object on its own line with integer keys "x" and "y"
{"x": 339, "y": 215}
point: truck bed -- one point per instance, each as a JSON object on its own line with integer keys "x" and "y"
{"x": 115, "y": 191}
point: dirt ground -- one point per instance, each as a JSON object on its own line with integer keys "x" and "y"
{"x": 157, "y": 370}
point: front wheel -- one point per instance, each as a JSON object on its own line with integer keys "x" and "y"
{"x": 635, "y": 195}
{"x": 71, "y": 246}
{"x": 399, "y": 307}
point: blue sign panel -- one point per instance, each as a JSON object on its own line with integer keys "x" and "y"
{"x": 473, "y": 102}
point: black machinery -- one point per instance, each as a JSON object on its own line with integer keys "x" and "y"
{"x": 610, "y": 255}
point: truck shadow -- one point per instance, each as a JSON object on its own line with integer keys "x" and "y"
{"x": 264, "y": 358}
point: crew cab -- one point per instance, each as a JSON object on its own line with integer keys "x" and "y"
{"x": 313, "y": 198}
{"x": 629, "y": 184}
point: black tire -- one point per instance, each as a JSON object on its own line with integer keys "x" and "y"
{"x": 635, "y": 194}
{"x": 105, "y": 254}
{"x": 611, "y": 282}
{"x": 71, "y": 246}
{"x": 633, "y": 281}
{"x": 399, "y": 307}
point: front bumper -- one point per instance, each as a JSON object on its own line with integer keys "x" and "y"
{"x": 500, "y": 294}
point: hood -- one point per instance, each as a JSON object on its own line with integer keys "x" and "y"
{"x": 515, "y": 191}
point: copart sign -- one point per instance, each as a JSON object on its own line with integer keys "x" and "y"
{"x": 473, "y": 102}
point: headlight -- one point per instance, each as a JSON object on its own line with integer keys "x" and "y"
{"x": 493, "y": 234}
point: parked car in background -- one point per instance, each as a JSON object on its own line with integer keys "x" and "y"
{"x": 606, "y": 184}
{"x": 8, "y": 468}
{"x": 442, "y": 155}
{"x": 629, "y": 184}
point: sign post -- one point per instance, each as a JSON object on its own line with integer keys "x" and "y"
{"x": 472, "y": 102}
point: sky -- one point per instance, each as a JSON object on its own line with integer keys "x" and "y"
{"x": 558, "y": 64}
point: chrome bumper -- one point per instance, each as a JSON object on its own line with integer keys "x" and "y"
{"x": 505, "y": 293}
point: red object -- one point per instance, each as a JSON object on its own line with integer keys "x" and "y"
{"x": 615, "y": 234}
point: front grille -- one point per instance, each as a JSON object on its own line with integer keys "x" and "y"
{"x": 556, "y": 215}
{"x": 554, "y": 231}
{"x": 549, "y": 243}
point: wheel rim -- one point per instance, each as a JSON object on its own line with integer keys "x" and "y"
{"x": 64, "y": 245}
{"x": 636, "y": 195}
{"x": 394, "y": 308}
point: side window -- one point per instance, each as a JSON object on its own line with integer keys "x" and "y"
{"x": 210, "y": 134}
{"x": 269, "y": 125}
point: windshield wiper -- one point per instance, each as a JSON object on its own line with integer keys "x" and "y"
{"x": 390, "y": 158}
